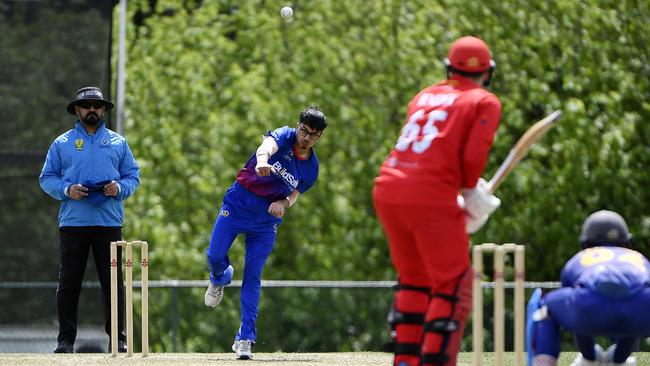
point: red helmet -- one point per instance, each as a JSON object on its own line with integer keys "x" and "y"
{"x": 469, "y": 54}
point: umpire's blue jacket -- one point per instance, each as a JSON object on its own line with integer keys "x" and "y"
{"x": 77, "y": 157}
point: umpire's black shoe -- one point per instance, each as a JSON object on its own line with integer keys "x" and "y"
{"x": 121, "y": 346}
{"x": 64, "y": 347}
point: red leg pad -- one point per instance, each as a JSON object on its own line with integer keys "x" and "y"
{"x": 440, "y": 307}
{"x": 411, "y": 302}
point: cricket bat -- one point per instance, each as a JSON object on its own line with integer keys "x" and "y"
{"x": 518, "y": 152}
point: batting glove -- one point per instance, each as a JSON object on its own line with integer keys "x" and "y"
{"x": 478, "y": 204}
{"x": 479, "y": 201}
{"x": 473, "y": 225}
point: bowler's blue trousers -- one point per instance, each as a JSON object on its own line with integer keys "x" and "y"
{"x": 243, "y": 212}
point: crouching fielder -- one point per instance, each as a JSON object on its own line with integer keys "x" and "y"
{"x": 442, "y": 150}
{"x": 604, "y": 293}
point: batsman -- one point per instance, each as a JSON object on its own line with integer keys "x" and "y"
{"x": 429, "y": 196}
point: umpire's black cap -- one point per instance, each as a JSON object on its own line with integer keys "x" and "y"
{"x": 89, "y": 93}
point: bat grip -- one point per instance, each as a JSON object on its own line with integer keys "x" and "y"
{"x": 502, "y": 172}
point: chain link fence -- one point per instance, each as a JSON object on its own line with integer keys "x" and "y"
{"x": 358, "y": 312}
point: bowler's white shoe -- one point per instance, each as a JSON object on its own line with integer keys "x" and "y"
{"x": 243, "y": 348}
{"x": 213, "y": 295}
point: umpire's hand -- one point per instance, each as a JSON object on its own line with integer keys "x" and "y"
{"x": 77, "y": 192}
{"x": 111, "y": 189}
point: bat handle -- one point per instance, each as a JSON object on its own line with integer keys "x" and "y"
{"x": 491, "y": 186}
{"x": 501, "y": 173}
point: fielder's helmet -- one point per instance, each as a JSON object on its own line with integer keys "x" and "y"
{"x": 469, "y": 55}
{"x": 605, "y": 228}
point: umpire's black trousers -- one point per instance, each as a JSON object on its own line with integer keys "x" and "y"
{"x": 74, "y": 246}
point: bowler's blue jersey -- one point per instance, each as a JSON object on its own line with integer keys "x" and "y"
{"x": 291, "y": 172}
{"x": 613, "y": 272}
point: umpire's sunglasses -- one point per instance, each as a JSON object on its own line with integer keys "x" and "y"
{"x": 88, "y": 104}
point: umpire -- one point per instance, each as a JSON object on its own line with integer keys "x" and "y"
{"x": 91, "y": 170}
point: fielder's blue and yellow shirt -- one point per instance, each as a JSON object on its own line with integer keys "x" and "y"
{"x": 604, "y": 293}
{"x": 612, "y": 272}
{"x": 291, "y": 172}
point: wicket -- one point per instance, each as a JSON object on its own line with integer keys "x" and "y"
{"x": 499, "y": 301}
{"x": 144, "y": 257}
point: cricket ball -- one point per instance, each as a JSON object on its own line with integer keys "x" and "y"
{"x": 286, "y": 12}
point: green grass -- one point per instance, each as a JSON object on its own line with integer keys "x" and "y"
{"x": 465, "y": 358}
{"x": 260, "y": 359}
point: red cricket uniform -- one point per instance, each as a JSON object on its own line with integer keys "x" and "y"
{"x": 442, "y": 148}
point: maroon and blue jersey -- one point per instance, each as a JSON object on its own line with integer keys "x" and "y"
{"x": 612, "y": 272}
{"x": 291, "y": 172}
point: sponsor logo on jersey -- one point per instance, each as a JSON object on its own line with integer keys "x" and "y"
{"x": 224, "y": 213}
{"x": 288, "y": 155}
{"x": 393, "y": 162}
{"x": 285, "y": 174}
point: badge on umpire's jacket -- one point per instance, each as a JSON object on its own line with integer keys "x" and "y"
{"x": 79, "y": 144}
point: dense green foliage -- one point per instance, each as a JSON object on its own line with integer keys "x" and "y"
{"x": 47, "y": 51}
{"x": 34, "y": 92}
{"x": 205, "y": 79}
